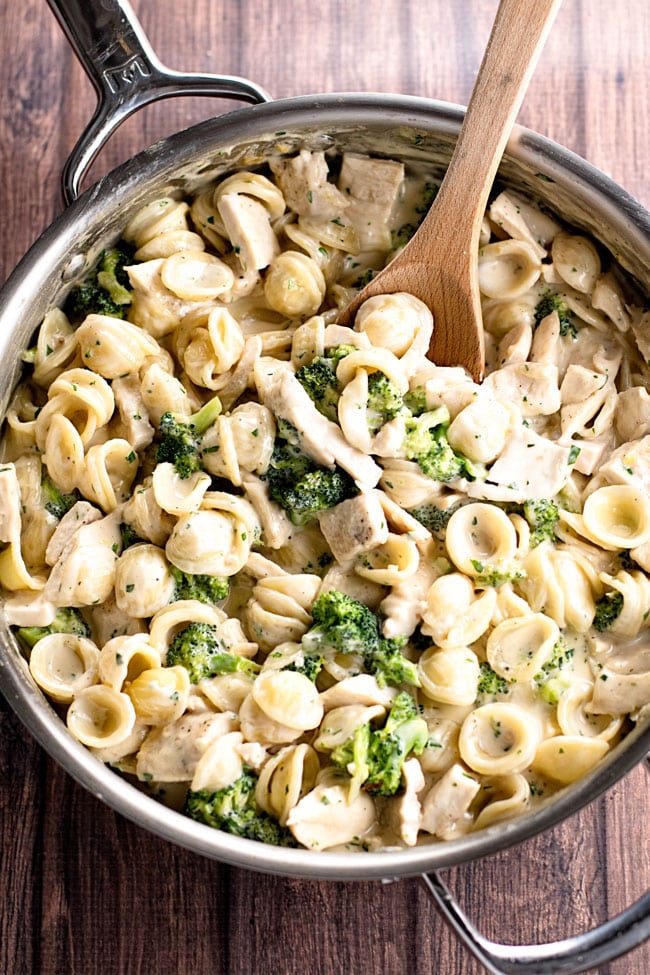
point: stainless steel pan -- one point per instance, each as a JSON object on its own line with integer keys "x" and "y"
{"x": 127, "y": 75}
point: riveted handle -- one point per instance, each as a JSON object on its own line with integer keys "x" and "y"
{"x": 126, "y": 74}
{"x": 610, "y": 940}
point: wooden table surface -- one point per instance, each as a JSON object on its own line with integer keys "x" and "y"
{"x": 82, "y": 890}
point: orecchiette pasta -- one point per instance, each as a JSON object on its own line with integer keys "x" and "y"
{"x": 321, "y": 589}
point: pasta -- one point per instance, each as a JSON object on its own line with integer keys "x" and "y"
{"x": 328, "y": 592}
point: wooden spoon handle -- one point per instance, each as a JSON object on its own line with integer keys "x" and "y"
{"x": 507, "y": 67}
{"x": 439, "y": 263}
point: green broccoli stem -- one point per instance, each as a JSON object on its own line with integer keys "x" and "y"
{"x": 205, "y": 417}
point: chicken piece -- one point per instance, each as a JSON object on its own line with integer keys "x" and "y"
{"x": 303, "y": 180}
{"x": 623, "y": 684}
{"x": 354, "y": 526}
{"x": 247, "y": 224}
{"x": 583, "y": 392}
{"x": 523, "y": 221}
{"x": 171, "y": 753}
{"x": 325, "y": 817}
{"x": 154, "y": 307}
{"x": 107, "y": 620}
{"x": 404, "y": 812}
{"x": 628, "y": 464}
{"x": 449, "y": 386}
{"x": 322, "y": 439}
{"x": 515, "y": 345}
{"x": 84, "y": 573}
{"x": 28, "y": 608}
{"x": 531, "y": 386}
{"x": 445, "y": 806}
{"x": 591, "y": 453}
{"x": 530, "y": 466}
{"x": 81, "y": 513}
{"x": 276, "y": 527}
{"x": 547, "y": 344}
{"x": 372, "y": 186}
{"x": 134, "y": 417}
{"x": 633, "y": 413}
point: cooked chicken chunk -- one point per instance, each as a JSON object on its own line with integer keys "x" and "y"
{"x": 530, "y": 466}
{"x": 445, "y": 805}
{"x": 171, "y": 753}
{"x": 531, "y": 386}
{"x": 247, "y": 224}
{"x": 303, "y": 180}
{"x": 372, "y": 187}
{"x": 354, "y": 526}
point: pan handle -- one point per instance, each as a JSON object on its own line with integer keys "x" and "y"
{"x": 126, "y": 74}
{"x": 610, "y": 940}
{"x": 615, "y": 937}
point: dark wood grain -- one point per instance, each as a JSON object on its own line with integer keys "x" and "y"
{"x": 83, "y": 891}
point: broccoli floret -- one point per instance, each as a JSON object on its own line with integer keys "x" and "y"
{"x": 542, "y": 515}
{"x": 384, "y": 401}
{"x": 180, "y": 443}
{"x": 375, "y": 758}
{"x": 234, "y": 810}
{"x": 608, "y": 609}
{"x": 553, "y": 680}
{"x": 320, "y": 382}
{"x": 302, "y": 487}
{"x": 129, "y": 535}
{"x": 415, "y": 400}
{"x": 345, "y": 625}
{"x": 496, "y": 575}
{"x": 198, "y": 648}
{"x": 66, "y": 620}
{"x": 106, "y": 291}
{"x": 112, "y": 276}
{"x": 551, "y": 302}
{"x": 491, "y": 683}
{"x": 311, "y": 666}
{"x": 426, "y": 443}
{"x": 316, "y": 491}
{"x": 390, "y": 666}
{"x": 55, "y": 501}
{"x": 206, "y": 589}
{"x": 434, "y": 518}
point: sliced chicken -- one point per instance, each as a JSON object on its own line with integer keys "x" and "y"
{"x": 404, "y": 812}
{"x": 530, "y": 466}
{"x": 319, "y": 437}
{"x": 531, "y": 386}
{"x": 248, "y": 226}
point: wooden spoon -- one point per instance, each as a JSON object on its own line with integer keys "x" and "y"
{"x": 439, "y": 264}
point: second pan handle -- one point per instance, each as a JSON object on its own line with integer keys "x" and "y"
{"x": 126, "y": 74}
